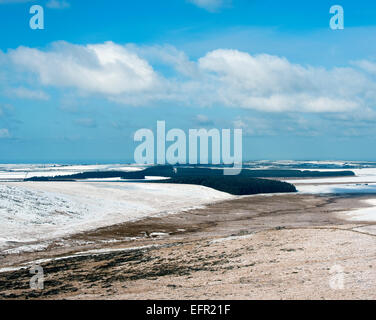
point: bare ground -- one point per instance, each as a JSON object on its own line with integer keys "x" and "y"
{"x": 256, "y": 247}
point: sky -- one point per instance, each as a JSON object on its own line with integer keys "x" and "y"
{"x": 78, "y": 90}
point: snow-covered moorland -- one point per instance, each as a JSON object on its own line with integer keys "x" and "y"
{"x": 34, "y": 211}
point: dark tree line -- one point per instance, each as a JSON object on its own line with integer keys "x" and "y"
{"x": 237, "y": 185}
{"x": 247, "y": 182}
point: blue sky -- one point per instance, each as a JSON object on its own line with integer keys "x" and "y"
{"x": 100, "y": 70}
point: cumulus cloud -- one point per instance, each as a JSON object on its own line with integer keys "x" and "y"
{"x": 135, "y": 75}
{"x": 272, "y": 83}
{"x": 101, "y": 68}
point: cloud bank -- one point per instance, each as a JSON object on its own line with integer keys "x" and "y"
{"x": 135, "y": 76}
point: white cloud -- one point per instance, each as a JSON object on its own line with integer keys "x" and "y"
{"x": 203, "y": 120}
{"x": 52, "y": 4}
{"x": 14, "y": 1}
{"x": 169, "y": 56}
{"x": 57, "y": 4}
{"x": 210, "y": 5}
{"x": 25, "y": 93}
{"x": 271, "y": 83}
{"x": 366, "y": 65}
{"x": 259, "y": 125}
{"x": 4, "y": 134}
{"x": 101, "y": 68}
{"x": 135, "y": 75}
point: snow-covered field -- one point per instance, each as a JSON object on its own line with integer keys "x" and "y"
{"x": 366, "y": 175}
{"x": 35, "y": 211}
{"x": 22, "y": 171}
{"x": 31, "y": 213}
{"x": 364, "y": 182}
{"x": 337, "y": 188}
{"x": 363, "y": 214}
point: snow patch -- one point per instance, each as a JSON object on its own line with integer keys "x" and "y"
{"x": 363, "y": 214}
